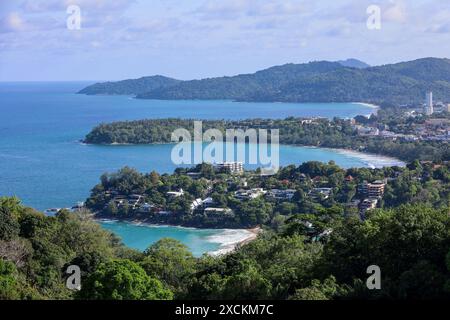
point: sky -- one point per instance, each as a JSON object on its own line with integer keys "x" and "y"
{"x": 193, "y": 39}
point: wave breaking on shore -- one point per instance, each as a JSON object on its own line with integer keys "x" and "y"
{"x": 373, "y": 161}
{"x": 230, "y": 239}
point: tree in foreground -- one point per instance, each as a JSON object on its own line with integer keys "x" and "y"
{"x": 122, "y": 280}
{"x": 170, "y": 261}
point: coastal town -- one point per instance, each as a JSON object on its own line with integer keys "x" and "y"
{"x": 369, "y": 195}
{"x": 434, "y": 127}
{"x": 227, "y": 196}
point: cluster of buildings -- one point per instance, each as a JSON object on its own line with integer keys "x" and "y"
{"x": 435, "y": 129}
{"x": 275, "y": 194}
{"x": 368, "y": 196}
{"x": 133, "y": 201}
{"x": 249, "y": 194}
{"x": 208, "y": 207}
{"x": 430, "y": 107}
{"x": 374, "y": 131}
{"x": 281, "y": 194}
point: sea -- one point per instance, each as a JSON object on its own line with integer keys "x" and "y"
{"x": 43, "y": 162}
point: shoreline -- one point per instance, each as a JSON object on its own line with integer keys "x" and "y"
{"x": 228, "y": 240}
{"x": 377, "y": 158}
{"x": 252, "y": 235}
{"x": 369, "y": 105}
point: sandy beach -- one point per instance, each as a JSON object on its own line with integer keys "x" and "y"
{"x": 369, "y": 105}
{"x": 245, "y": 236}
{"x": 373, "y": 160}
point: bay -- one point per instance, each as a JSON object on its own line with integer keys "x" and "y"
{"x": 43, "y": 162}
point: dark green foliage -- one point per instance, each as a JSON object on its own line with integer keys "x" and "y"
{"x": 35, "y": 251}
{"x": 171, "y": 262}
{"x": 122, "y": 280}
{"x": 130, "y": 87}
{"x": 408, "y": 243}
{"x": 9, "y": 211}
{"x": 8, "y": 281}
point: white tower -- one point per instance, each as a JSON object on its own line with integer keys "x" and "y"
{"x": 429, "y": 104}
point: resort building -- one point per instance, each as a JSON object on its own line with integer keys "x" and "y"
{"x": 194, "y": 175}
{"x": 323, "y": 193}
{"x": 249, "y": 194}
{"x": 218, "y": 211}
{"x": 208, "y": 202}
{"x": 368, "y": 204}
{"x": 428, "y": 110}
{"x": 146, "y": 208}
{"x": 175, "y": 194}
{"x": 279, "y": 194}
{"x": 230, "y": 167}
{"x": 368, "y": 131}
{"x": 196, "y": 204}
{"x": 375, "y": 189}
{"x": 134, "y": 200}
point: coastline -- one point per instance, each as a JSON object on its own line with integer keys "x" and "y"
{"x": 228, "y": 240}
{"x": 251, "y": 235}
{"x": 373, "y": 160}
{"x": 369, "y": 105}
{"x": 379, "y": 160}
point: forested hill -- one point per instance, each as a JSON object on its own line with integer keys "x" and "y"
{"x": 320, "y": 81}
{"x": 130, "y": 87}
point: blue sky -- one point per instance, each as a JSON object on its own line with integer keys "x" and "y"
{"x": 191, "y": 39}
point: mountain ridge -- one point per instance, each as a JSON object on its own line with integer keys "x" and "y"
{"x": 317, "y": 81}
{"x": 354, "y": 63}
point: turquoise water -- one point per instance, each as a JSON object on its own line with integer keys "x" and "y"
{"x": 141, "y": 236}
{"x": 42, "y": 162}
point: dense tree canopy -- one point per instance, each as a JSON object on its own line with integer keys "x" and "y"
{"x": 410, "y": 244}
{"x": 122, "y": 280}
